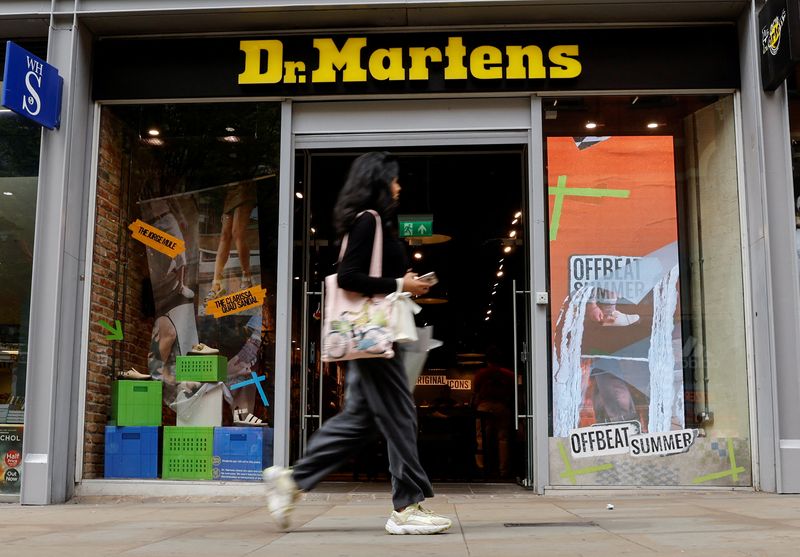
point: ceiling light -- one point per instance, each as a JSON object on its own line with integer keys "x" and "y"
{"x": 515, "y": 221}
{"x": 652, "y": 125}
{"x": 518, "y": 215}
{"x": 487, "y": 319}
{"x": 507, "y": 249}
{"x": 591, "y": 125}
{"x": 7, "y": 193}
{"x": 12, "y": 352}
{"x": 501, "y": 266}
{"x": 418, "y": 255}
{"x": 488, "y": 312}
{"x": 231, "y": 139}
{"x": 230, "y": 129}
{"x": 499, "y": 273}
{"x": 313, "y": 230}
{"x": 298, "y": 195}
{"x": 153, "y": 132}
{"x": 158, "y": 142}
{"x": 512, "y": 234}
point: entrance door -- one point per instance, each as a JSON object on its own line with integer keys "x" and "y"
{"x": 473, "y": 377}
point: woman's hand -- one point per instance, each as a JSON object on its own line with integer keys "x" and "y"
{"x": 412, "y": 284}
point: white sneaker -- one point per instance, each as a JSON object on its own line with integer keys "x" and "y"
{"x": 622, "y": 319}
{"x": 282, "y": 493}
{"x": 416, "y": 520}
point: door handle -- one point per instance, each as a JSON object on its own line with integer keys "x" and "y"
{"x": 516, "y": 364}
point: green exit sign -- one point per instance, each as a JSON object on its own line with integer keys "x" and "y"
{"x": 415, "y": 226}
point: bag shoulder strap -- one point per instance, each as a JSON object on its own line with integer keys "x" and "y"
{"x": 376, "y": 261}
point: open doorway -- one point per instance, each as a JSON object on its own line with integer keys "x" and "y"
{"x": 462, "y": 216}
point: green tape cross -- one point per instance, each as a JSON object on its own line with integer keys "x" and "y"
{"x": 561, "y": 191}
{"x": 733, "y": 471}
{"x": 572, "y": 473}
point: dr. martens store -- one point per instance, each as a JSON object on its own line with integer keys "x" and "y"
{"x": 576, "y": 192}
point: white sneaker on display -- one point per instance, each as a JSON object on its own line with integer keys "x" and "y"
{"x": 415, "y": 519}
{"x": 282, "y": 493}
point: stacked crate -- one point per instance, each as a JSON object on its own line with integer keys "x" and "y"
{"x": 188, "y": 450}
{"x": 131, "y": 448}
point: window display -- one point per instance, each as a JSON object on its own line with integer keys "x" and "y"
{"x": 647, "y": 315}
{"x": 184, "y": 281}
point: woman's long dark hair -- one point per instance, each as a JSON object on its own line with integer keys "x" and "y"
{"x": 368, "y": 186}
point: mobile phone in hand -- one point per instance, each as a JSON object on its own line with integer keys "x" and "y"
{"x": 430, "y": 278}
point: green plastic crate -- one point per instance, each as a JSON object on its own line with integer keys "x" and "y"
{"x": 188, "y": 453}
{"x": 211, "y": 369}
{"x": 136, "y": 403}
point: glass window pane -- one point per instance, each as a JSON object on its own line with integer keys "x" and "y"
{"x": 184, "y": 260}
{"x": 19, "y": 170}
{"x": 646, "y": 281}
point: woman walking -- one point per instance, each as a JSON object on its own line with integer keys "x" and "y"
{"x": 377, "y": 396}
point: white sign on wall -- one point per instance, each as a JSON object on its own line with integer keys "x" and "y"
{"x": 626, "y": 438}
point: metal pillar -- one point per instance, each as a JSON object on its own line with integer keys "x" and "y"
{"x": 57, "y": 292}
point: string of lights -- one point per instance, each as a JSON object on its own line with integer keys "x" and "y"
{"x": 507, "y": 249}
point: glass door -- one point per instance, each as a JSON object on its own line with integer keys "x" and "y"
{"x": 471, "y": 372}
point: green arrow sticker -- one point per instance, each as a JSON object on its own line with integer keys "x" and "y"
{"x": 116, "y": 330}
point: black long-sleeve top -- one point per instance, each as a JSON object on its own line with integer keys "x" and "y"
{"x": 353, "y": 273}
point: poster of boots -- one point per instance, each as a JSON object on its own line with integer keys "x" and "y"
{"x": 220, "y": 229}
{"x": 614, "y": 281}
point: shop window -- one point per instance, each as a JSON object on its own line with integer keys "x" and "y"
{"x": 19, "y": 169}
{"x": 183, "y": 290}
{"x": 648, "y": 365}
{"x": 794, "y": 130}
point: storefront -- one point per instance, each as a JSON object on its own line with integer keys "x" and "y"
{"x": 585, "y": 197}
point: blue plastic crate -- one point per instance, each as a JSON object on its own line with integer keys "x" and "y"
{"x": 241, "y": 453}
{"x": 131, "y": 452}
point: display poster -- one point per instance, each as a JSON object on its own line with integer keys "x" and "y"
{"x": 222, "y": 261}
{"x": 614, "y": 283}
{"x": 10, "y": 459}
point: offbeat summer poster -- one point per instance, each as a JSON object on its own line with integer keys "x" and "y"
{"x": 614, "y": 279}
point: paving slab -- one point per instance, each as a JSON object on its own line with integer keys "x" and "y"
{"x": 348, "y": 519}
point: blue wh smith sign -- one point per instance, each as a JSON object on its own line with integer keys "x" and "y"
{"x": 32, "y": 87}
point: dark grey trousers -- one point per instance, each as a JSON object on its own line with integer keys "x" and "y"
{"x": 377, "y": 398}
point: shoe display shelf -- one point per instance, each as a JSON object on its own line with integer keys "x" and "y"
{"x": 136, "y": 403}
{"x": 187, "y": 453}
{"x": 241, "y": 453}
{"x": 204, "y": 369}
{"x": 131, "y": 452}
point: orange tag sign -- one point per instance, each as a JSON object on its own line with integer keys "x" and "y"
{"x": 157, "y": 239}
{"x": 236, "y": 302}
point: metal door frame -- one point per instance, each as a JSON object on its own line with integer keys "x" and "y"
{"x": 446, "y": 123}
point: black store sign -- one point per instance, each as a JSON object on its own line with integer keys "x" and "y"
{"x": 779, "y": 23}
{"x": 419, "y": 62}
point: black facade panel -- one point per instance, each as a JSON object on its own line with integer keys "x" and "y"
{"x": 610, "y": 59}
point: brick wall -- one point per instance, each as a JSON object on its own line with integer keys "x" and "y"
{"x": 118, "y": 269}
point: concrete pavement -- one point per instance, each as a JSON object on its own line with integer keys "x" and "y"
{"x": 347, "y": 520}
